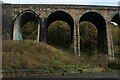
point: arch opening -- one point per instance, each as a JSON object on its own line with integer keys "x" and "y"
{"x": 100, "y": 26}
{"x": 26, "y": 26}
{"x": 64, "y": 27}
{"x": 115, "y": 29}
{"x": 116, "y": 19}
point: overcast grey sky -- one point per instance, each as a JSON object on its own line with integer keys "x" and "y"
{"x": 79, "y": 2}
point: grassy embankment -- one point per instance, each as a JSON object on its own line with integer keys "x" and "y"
{"x": 29, "y": 55}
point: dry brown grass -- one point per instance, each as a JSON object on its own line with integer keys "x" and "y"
{"x": 30, "y": 55}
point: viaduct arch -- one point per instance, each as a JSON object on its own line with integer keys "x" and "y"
{"x": 100, "y": 25}
{"x": 44, "y": 15}
{"x": 63, "y": 16}
{"x": 21, "y": 20}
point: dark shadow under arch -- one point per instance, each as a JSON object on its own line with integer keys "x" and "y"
{"x": 116, "y": 19}
{"x": 21, "y": 20}
{"x": 63, "y": 16}
{"x": 100, "y": 24}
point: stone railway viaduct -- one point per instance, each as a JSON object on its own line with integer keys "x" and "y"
{"x": 14, "y": 16}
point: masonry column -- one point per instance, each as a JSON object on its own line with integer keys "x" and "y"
{"x": 76, "y": 38}
{"x": 43, "y": 30}
{"x": 39, "y": 32}
{"x": 109, "y": 42}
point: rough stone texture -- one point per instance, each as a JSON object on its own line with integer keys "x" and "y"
{"x": 7, "y": 22}
{"x": 12, "y": 11}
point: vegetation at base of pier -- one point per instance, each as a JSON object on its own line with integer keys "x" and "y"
{"x": 56, "y": 56}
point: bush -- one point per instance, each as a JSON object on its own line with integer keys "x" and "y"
{"x": 88, "y": 37}
{"x": 114, "y": 65}
{"x": 59, "y": 34}
{"x": 30, "y": 31}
